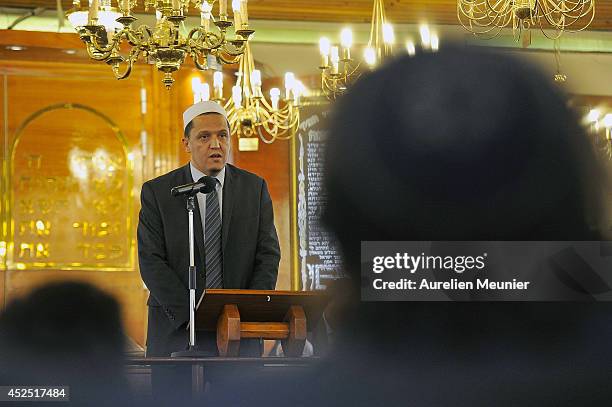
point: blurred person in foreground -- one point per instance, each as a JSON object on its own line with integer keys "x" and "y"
{"x": 464, "y": 144}
{"x": 65, "y": 334}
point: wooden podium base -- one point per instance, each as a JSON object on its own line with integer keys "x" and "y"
{"x": 291, "y": 332}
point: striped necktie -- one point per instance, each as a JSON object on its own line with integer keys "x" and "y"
{"x": 212, "y": 244}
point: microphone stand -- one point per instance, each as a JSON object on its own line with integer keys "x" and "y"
{"x": 192, "y": 351}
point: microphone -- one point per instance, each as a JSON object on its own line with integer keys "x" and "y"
{"x": 204, "y": 185}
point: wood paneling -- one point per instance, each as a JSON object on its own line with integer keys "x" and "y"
{"x": 398, "y": 11}
{"x": 272, "y": 163}
{"x": 32, "y": 86}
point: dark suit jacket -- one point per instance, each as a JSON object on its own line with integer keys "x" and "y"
{"x": 251, "y": 252}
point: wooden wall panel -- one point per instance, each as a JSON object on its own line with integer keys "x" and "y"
{"x": 272, "y": 163}
{"x": 32, "y": 86}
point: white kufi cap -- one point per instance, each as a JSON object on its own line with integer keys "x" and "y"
{"x": 200, "y": 108}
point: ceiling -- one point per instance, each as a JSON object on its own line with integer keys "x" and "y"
{"x": 398, "y": 11}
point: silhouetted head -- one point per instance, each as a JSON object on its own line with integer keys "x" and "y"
{"x": 463, "y": 144}
{"x": 67, "y": 333}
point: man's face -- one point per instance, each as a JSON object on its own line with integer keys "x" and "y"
{"x": 208, "y": 143}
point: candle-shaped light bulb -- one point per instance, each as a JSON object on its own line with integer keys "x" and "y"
{"x": 93, "y": 11}
{"x": 298, "y": 89}
{"x": 204, "y": 92}
{"x": 593, "y": 115}
{"x": 237, "y": 95}
{"x": 218, "y": 84}
{"x": 346, "y": 38}
{"x": 222, "y": 9}
{"x": 196, "y": 84}
{"x": 369, "y": 55}
{"x": 388, "y": 35}
{"x": 289, "y": 83}
{"x": 237, "y": 16}
{"x": 425, "y": 36}
{"x": 176, "y": 5}
{"x": 346, "y": 41}
{"x": 256, "y": 78}
{"x": 125, "y": 6}
{"x": 324, "y": 46}
{"x": 410, "y": 48}
{"x": 218, "y": 79}
{"x": 335, "y": 59}
{"x": 607, "y": 121}
{"x": 435, "y": 42}
{"x": 205, "y": 15}
{"x": 274, "y": 97}
{"x": 206, "y": 7}
{"x": 245, "y": 13}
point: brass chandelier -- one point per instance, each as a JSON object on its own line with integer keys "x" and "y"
{"x": 487, "y": 17}
{"x": 249, "y": 112}
{"x": 339, "y": 69}
{"x": 107, "y": 31}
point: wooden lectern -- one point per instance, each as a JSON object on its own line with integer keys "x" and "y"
{"x": 267, "y": 314}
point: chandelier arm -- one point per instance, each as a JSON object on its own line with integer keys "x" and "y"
{"x": 212, "y": 40}
{"x": 101, "y": 49}
{"x": 266, "y": 105}
{"x": 228, "y": 61}
{"x": 144, "y": 31}
{"x": 138, "y": 39}
{"x": 191, "y": 37}
{"x": 261, "y": 114}
{"x": 491, "y": 21}
{"x": 268, "y": 123}
{"x": 591, "y": 10}
{"x": 483, "y": 33}
{"x": 558, "y": 32}
{"x": 478, "y": 27}
{"x": 290, "y": 130}
{"x": 556, "y": 7}
{"x": 130, "y": 63}
{"x": 280, "y": 117}
{"x": 96, "y": 55}
{"x": 264, "y": 138}
{"x": 557, "y": 35}
{"x": 281, "y": 130}
{"x": 273, "y": 126}
{"x": 235, "y": 51}
{"x": 549, "y": 19}
{"x": 227, "y": 106}
{"x": 574, "y": 20}
{"x": 489, "y": 12}
{"x": 505, "y": 7}
{"x": 287, "y": 113}
{"x": 285, "y": 132}
{"x": 205, "y": 40}
{"x": 195, "y": 56}
{"x": 352, "y": 72}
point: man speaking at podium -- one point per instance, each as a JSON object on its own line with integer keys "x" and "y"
{"x": 236, "y": 245}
